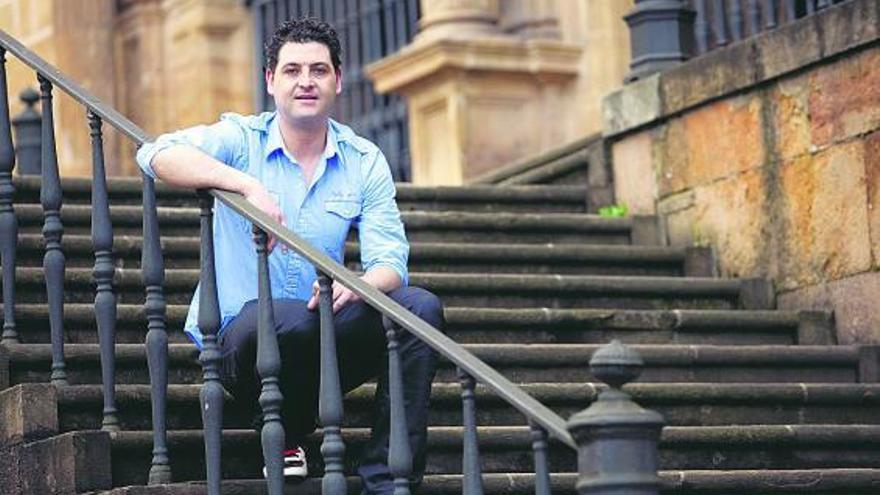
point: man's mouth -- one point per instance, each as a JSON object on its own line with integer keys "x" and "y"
{"x": 306, "y": 97}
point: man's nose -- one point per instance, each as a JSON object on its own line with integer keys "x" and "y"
{"x": 305, "y": 79}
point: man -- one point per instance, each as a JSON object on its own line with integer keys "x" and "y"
{"x": 318, "y": 178}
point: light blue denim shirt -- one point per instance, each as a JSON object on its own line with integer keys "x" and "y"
{"x": 352, "y": 186}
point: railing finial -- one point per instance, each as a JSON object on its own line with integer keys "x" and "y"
{"x": 617, "y": 439}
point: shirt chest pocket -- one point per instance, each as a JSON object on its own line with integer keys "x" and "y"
{"x": 340, "y": 213}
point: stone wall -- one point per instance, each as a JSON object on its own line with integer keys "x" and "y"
{"x": 769, "y": 151}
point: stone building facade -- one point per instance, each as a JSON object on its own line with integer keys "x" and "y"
{"x": 166, "y": 64}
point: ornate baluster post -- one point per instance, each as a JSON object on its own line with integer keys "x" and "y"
{"x": 770, "y": 13}
{"x": 399, "y": 452}
{"x": 153, "y": 272}
{"x": 53, "y": 260}
{"x": 736, "y": 20}
{"x": 28, "y": 141}
{"x": 754, "y": 13}
{"x": 269, "y": 367}
{"x": 719, "y": 21}
{"x": 330, "y": 403}
{"x": 472, "y": 483}
{"x": 617, "y": 439}
{"x": 790, "y": 11}
{"x": 8, "y": 222}
{"x": 102, "y": 273}
{"x": 661, "y": 36}
{"x": 701, "y": 27}
{"x": 542, "y": 470}
{"x": 211, "y": 395}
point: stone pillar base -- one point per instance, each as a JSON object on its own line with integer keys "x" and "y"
{"x": 476, "y": 104}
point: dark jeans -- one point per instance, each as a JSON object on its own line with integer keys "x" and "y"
{"x": 362, "y": 355}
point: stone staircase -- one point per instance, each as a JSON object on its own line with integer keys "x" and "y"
{"x": 756, "y": 400}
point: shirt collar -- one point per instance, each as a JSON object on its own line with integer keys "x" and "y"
{"x": 275, "y": 143}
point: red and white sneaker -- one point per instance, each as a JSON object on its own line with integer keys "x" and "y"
{"x": 295, "y": 467}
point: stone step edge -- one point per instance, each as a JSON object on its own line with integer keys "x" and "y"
{"x": 693, "y": 482}
{"x": 757, "y": 291}
{"x": 31, "y": 411}
{"x": 123, "y": 186}
{"x": 130, "y": 245}
{"x": 661, "y": 319}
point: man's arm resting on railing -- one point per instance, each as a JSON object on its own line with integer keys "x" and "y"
{"x": 382, "y": 278}
{"x": 186, "y": 166}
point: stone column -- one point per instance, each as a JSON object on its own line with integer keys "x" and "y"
{"x": 207, "y": 46}
{"x": 444, "y": 19}
{"x": 531, "y": 19}
{"x": 473, "y": 90}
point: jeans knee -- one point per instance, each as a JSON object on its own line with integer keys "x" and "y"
{"x": 427, "y": 306}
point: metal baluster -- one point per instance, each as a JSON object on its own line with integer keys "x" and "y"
{"x": 269, "y": 367}
{"x": 736, "y": 20}
{"x": 153, "y": 270}
{"x": 821, "y": 4}
{"x": 719, "y": 16}
{"x": 811, "y": 8}
{"x": 8, "y": 222}
{"x": 53, "y": 261}
{"x": 399, "y": 452}
{"x": 211, "y": 395}
{"x": 754, "y": 13}
{"x": 770, "y": 11}
{"x": 330, "y": 404}
{"x": 701, "y": 27}
{"x": 102, "y": 273}
{"x": 472, "y": 484}
{"x": 539, "y": 447}
{"x": 790, "y": 12}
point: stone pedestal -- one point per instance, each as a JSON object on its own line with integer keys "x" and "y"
{"x": 478, "y": 98}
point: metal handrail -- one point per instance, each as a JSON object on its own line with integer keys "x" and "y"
{"x": 448, "y": 348}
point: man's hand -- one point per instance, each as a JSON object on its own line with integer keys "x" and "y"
{"x": 341, "y": 296}
{"x": 257, "y": 195}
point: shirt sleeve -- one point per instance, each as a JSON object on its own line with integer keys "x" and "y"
{"x": 380, "y": 229}
{"x": 224, "y": 140}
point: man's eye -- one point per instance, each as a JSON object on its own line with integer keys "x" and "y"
{"x": 320, "y": 71}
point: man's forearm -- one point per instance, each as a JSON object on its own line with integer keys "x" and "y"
{"x": 189, "y": 167}
{"x": 383, "y": 278}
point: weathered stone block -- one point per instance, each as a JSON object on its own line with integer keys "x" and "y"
{"x": 849, "y": 25}
{"x": 634, "y": 181}
{"x": 872, "y": 176}
{"x": 29, "y": 412}
{"x": 730, "y": 216}
{"x": 845, "y": 98}
{"x": 789, "y": 47}
{"x": 71, "y": 463}
{"x": 824, "y": 200}
{"x": 723, "y": 138}
{"x": 791, "y": 118}
{"x": 673, "y": 170}
{"x": 702, "y": 79}
{"x": 853, "y": 300}
{"x": 633, "y": 105}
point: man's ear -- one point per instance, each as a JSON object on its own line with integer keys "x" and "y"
{"x": 339, "y": 80}
{"x": 269, "y": 75}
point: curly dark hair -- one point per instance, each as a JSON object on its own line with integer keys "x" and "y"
{"x": 303, "y": 31}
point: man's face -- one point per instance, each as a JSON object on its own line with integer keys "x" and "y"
{"x": 304, "y": 84}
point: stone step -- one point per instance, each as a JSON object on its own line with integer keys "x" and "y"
{"x": 492, "y": 325}
{"x": 507, "y": 450}
{"x": 487, "y": 198}
{"x": 484, "y": 290}
{"x": 864, "y": 481}
{"x": 681, "y": 404}
{"x": 563, "y": 363}
{"x": 570, "y": 259}
{"x": 431, "y": 226}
